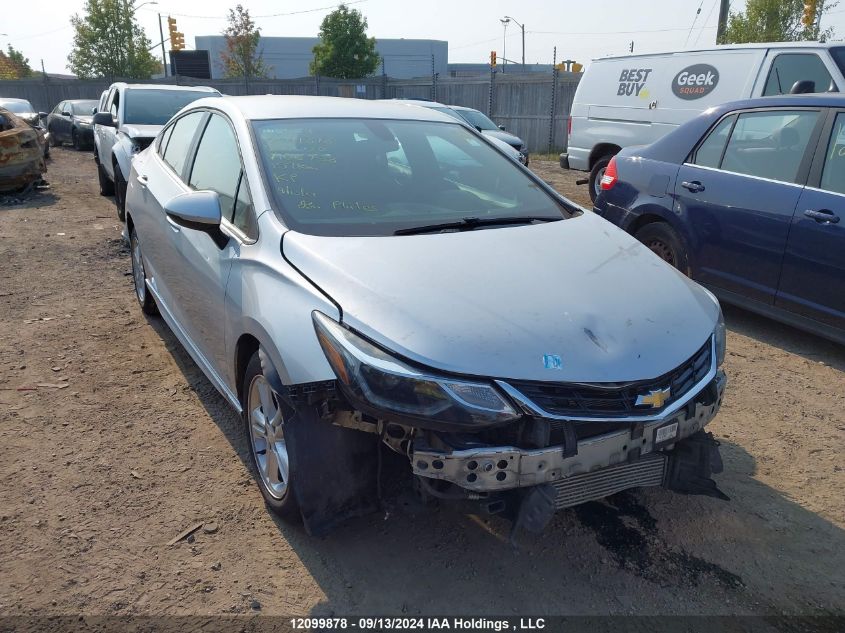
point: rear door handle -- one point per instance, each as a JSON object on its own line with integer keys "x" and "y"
{"x": 143, "y": 180}
{"x": 694, "y": 186}
{"x": 823, "y": 216}
{"x": 173, "y": 226}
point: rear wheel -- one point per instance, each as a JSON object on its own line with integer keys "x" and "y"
{"x": 74, "y": 137}
{"x": 596, "y": 174}
{"x": 264, "y": 417}
{"x": 664, "y": 241}
{"x": 106, "y": 185}
{"x": 120, "y": 193}
{"x": 139, "y": 276}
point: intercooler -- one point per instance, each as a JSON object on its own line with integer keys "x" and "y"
{"x": 649, "y": 470}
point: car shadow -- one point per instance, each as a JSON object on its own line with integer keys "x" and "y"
{"x": 786, "y": 337}
{"x": 642, "y": 551}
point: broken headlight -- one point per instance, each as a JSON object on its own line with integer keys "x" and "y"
{"x": 371, "y": 375}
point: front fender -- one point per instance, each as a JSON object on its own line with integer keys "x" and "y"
{"x": 122, "y": 154}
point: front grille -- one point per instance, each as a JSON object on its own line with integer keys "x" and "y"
{"x": 647, "y": 471}
{"x": 615, "y": 399}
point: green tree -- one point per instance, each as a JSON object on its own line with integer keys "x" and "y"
{"x": 108, "y": 42}
{"x": 344, "y": 51}
{"x": 242, "y": 57}
{"x": 773, "y": 21}
{"x": 14, "y": 64}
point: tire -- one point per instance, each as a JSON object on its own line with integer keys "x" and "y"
{"x": 139, "y": 277}
{"x": 595, "y": 175}
{"x": 272, "y": 466}
{"x": 119, "y": 193}
{"x": 106, "y": 185}
{"x": 665, "y": 242}
{"x": 74, "y": 138}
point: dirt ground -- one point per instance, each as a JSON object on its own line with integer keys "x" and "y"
{"x": 112, "y": 442}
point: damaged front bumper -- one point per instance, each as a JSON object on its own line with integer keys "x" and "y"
{"x": 634, "y": 455}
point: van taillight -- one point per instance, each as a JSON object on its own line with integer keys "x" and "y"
{"x": 609, "y": 178}
{"x": 569, "y": 127}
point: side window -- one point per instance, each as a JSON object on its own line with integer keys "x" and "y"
{"x": 115, "y": 102}
{"x": 709, "y": 153}
{"x": 163, "y": 138}
{"x": 217, "y": 165}
{"x": 179, "y": 143}
{"x": 244, "y": 217}
{"x": 769, "y": 144}
{"x": 833, "y": 175}
{"x": 789, "y": 68}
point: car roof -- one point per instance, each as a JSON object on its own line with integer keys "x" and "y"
{"x": 127, "y": 86}
{"x": 13, "y": 100}
{"x": 726, "y": 47}
{"x": 79, "y": 100}
{"x": 307, "y": 107}
{"x": 816, "y": 100}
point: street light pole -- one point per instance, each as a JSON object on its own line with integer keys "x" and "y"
{"x": 522, "y": 28}
{"x": 163, "y": 58}
{"x": 505, "y": 22}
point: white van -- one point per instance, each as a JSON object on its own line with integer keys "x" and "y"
{"x": 636, "y": 99}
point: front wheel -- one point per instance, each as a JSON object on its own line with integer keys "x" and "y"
{"x": 74, "y": 137}
{"x": 265, "y": 417}
{"x": 665, "y": 242}
{"x": 54, "y": 142}
{"x": 139, "y": 277}
{"x": 596, "y": 174}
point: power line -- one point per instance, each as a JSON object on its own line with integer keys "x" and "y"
{"x": 694, "y": 20}
{"x": 712, "y": 8}
{"x": 682, "y": 28}
{"x": 269, "y": 15}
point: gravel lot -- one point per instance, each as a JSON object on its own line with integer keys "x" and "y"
{"x": 112, "y": 442}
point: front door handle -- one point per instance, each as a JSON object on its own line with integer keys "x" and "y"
{"x": 694, "y": 186}
{"x": 823, "y": 216}
{"x": 143, "y": 180}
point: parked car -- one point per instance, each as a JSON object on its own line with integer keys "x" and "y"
{"x": 71, "y": 121}
{"x": 636, "y": 99}
{"x": 344, "y": 283}
{"x": 128, "y": 118}
{"x": 21, "y": 154}
{"x": 747, "y": 199}
{"x": 483, "y": 124}
{"x": 510, "y": 150}
{"x": 24, "y": 110}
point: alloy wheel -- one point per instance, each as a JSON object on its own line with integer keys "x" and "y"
{"x": 139, "y": 276}
{"x": 266, "y": 434}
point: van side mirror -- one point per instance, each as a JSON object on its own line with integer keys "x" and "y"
{"x": 803, "y": 87}
{"x": 104, "y": 118}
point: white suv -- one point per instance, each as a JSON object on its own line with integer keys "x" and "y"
{"x": 127, "y": 120}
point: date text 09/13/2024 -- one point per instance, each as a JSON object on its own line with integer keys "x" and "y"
{"x": 418, "y": 624}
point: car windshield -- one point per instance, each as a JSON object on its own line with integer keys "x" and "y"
{"x": 83, "y": 108}
{"x": 374, "y": 177}
{"x": 18, "y": 107}
{"x": 476, "y": 119}
{"x": 155, "y": 107}
{"x": 839, "y": 56}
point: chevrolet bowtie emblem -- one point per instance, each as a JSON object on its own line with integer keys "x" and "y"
{"x": 655, "y": 398}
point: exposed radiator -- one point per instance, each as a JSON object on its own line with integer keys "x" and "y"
{"x": 646, "y": 471}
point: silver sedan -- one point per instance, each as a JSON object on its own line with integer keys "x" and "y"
{"x": 360, "y": 276}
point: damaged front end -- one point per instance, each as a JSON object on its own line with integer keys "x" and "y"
{"x": 519, "y": 448}
{"x": 21, "y": 156}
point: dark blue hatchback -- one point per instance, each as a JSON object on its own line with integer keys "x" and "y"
{"x": 748, "y": 199}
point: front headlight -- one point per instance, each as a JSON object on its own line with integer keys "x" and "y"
{"x": 373, "y": 376}
{"x": 720, "y": 335}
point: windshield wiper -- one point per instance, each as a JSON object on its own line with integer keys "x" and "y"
{"x": 468, "y": 224}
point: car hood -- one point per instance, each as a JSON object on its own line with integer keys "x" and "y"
{"x": 510, "y": 139}
{"x": 500, "y": 302}
{"x": 136, "y": 130}
{"x": 29, "y": 117}
{"x": 83, "y": 119}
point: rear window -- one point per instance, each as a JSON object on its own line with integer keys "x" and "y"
{"x": 156, "y": 107}
{"x": 83, "y": 108}
{"x": 839, "y": 57}
{"x": 476, "y": 119}
{"x": 18, "y": 107}
{"x": 373, "y": 177}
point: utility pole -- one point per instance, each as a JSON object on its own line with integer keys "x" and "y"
{"x": 163, "y": 57}
{"x": 724, "y": 11}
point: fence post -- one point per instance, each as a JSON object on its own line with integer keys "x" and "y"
{"x": 490, "y": 94}
{"x": 554, "y": 99}
{"x": 383, "y": 80}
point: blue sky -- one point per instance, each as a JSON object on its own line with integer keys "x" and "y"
{"x": 581, "y": 31}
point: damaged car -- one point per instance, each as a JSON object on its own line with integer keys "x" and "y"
{"x": 23, "y": 109}
{"x": 352, "y": 288}
{"x": 21, "y": 155}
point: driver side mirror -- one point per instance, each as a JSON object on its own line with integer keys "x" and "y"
{"x": 65, "y": 113}
{"x": 198, "y": 210}
{"x": 104, "y": 118}
{"x": 502, "y": 127}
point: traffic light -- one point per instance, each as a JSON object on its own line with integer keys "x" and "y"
{"x": 493, "y": 59}
{"x": 809, "y": 18}
{"x": 577, "y": 68}
{"x": 177, "y": 39}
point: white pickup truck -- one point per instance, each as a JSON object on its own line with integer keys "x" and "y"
{"x": 127, "y": 120}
